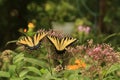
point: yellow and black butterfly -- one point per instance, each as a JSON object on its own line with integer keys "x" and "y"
{"x": 32, "y": 43}
{"x": 61, "y": 44}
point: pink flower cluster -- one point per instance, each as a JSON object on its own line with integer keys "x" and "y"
{"x": 86, "y": 30}
{"x": 102, "y": 53}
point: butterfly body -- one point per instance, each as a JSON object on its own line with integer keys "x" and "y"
{"x": 35, "y": 47}
{"x": 32, "y": 43}
{"x": 60, "y": 52}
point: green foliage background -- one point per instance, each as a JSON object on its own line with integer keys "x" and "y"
{"x": 16, "y": 14}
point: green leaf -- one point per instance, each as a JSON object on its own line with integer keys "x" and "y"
{"x": 12, "y": 69}
{"x": 34, "y": 78}
{"x": 40, "y": 63}
{"x": 18, "y": 58}
{"x": 112, "y": 69}
{"x": 112, "y": 35}
{"x": 23, "y": 73}
{"x": 30, "y": 69}
{"x": 48, "y": 76}
{"x": 110, "y": 78}
{"x": 4, "y": 74}
{"x": 44, "y": 71}
{"x": 16, "y": 78}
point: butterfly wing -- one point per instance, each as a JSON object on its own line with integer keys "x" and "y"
{"x": 38, "y": 37}
{"x": 66, "y": 42}
{"x": 32, "y": 43}
{"x": 27, "y": 41}
{"x": 61, "y": 44}
{"x": 55, "y": 41}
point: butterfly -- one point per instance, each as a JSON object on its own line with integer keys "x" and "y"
{"x": 32, "y": 43}
{"x": 61, "y": 44}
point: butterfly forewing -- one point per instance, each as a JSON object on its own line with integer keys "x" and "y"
{"x": 38, "y": 37}
{"x": 54, "y": 41}
{"x": 62, "y": 41}
{"x": 22, "y": 41}
{"x": 29, "y": 41}
{"x": 61, "y": 44}
{"x": 58, "y": 43}
{"x": 69, "y": 41}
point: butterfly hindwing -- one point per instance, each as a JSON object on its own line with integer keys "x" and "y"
{"x": 26, "y": 40}
{"x": 29, "y": 41}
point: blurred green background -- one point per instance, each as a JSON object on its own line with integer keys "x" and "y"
{"x": 103, "y": 16}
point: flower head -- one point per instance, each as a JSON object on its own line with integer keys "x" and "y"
{"x": 78, "y": 64}
{"x": 25, "y": 30}
{"x": 83, "y": 29}
{"x": 31, "y": 25}
{"x": 72, "y": 67}
{"x": 103, "y": 52}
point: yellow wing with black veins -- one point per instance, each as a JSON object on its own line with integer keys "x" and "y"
{"x": 26, "y": 41}
{"x": 38, "y": 37}
{"x": 66, "y": 42}
{"x": 61, "y": 44}
{"x": 55, "y": 41}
